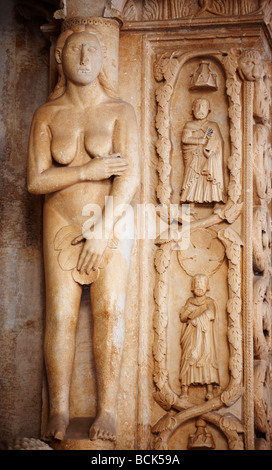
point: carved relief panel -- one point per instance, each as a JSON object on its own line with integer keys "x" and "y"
{"x": 199, "y": 98}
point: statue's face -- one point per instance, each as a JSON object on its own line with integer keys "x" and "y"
{"x": 200, "y": 285}
{"x": 251, "y": 68}
{"x": 201, "y": 109}
{"x": 82, "y": 58}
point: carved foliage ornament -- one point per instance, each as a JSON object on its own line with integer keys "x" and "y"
{"x": 152, "y": 10}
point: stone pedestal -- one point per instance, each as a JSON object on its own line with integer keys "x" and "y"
{"x": 77, "y": 437}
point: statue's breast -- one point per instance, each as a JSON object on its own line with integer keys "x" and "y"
{"x": 64, "y": 148}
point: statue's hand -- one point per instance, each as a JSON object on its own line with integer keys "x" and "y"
{"x": 103, "y": 168}
{"x": 91, "y": 255}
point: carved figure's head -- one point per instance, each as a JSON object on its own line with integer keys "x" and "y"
{"x": 81, "y": 57}
{"x": 200, "y": 284}
{"x": 250, "y": 66}
{"x": 79, "y": 54}
{"x": 201, "y": 108}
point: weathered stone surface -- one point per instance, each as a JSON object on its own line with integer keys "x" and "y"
{"x": 171, "y": 53}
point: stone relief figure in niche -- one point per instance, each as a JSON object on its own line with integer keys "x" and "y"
{"x": 83, "y": 147}
{"x": 202, "y": 148}
{"x": 198, "y": 361}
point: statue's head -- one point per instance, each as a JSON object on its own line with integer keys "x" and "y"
{"x": 201, "y": 108}
{"x": 200, "y": 284}
{"x": 79, "y": 54}
{"x": 250, "y": 66}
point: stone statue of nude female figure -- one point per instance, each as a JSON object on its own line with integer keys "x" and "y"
{"x": 83, "y": 147}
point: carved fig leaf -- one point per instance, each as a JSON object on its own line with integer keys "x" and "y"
{"x": 234, "y": 306}
{"x": 160, "y": 292}
{"x": 234, "y": 164}
{"x": 233, "y": 253}
{"x": 163, "y": 94}
{"x": 171, "y": 69}
{"x": 235, "y": 337}
{"x": 159, "y": 350}
{"x": 235, "y": 365}
{"x": 162, "y": 122}
{"x": 160, "y": 322}
{"x": 235, "y": 112}
{"x": 163, "y": 146}
{"x": 166, "y": 423}
{"x": 230, "y": 61}
{"x": 164, "y": 193}
{"x": 234, "y": 191}
{"x": 233, "y": 89}
{"x": 158, "y": 72}
{"x": 160, "y": 378}
{"x": 68, "y": 253}
{"x": 162, "y": 260}
{"x": 234, "y": 280}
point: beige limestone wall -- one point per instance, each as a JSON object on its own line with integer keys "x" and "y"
{"x": 24, "y": 85}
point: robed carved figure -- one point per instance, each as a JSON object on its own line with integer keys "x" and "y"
{"x": 83, "y": 148}
{"x": 199, "y": 360}
{"x": 202, "y": 149}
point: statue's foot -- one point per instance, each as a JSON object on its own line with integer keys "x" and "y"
{"x": 56, "y": 427}
{"x": 104, "y": 427}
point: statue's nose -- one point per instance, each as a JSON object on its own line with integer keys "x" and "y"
{"x": 83, "y": 55}
{"x": 256, "y": 72}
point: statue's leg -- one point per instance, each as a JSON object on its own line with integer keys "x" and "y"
{"x": 62, "y": 306}
{"x": 108, "y": 304}
{"x": 63, "y": 296}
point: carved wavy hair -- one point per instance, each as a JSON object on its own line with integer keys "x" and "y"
{"x": 102, "y": 77}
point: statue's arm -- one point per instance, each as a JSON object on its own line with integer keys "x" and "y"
{"x": 188, "y": 138}
{"x": 186, "y": 311}
{"x": 125, "y": 143}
